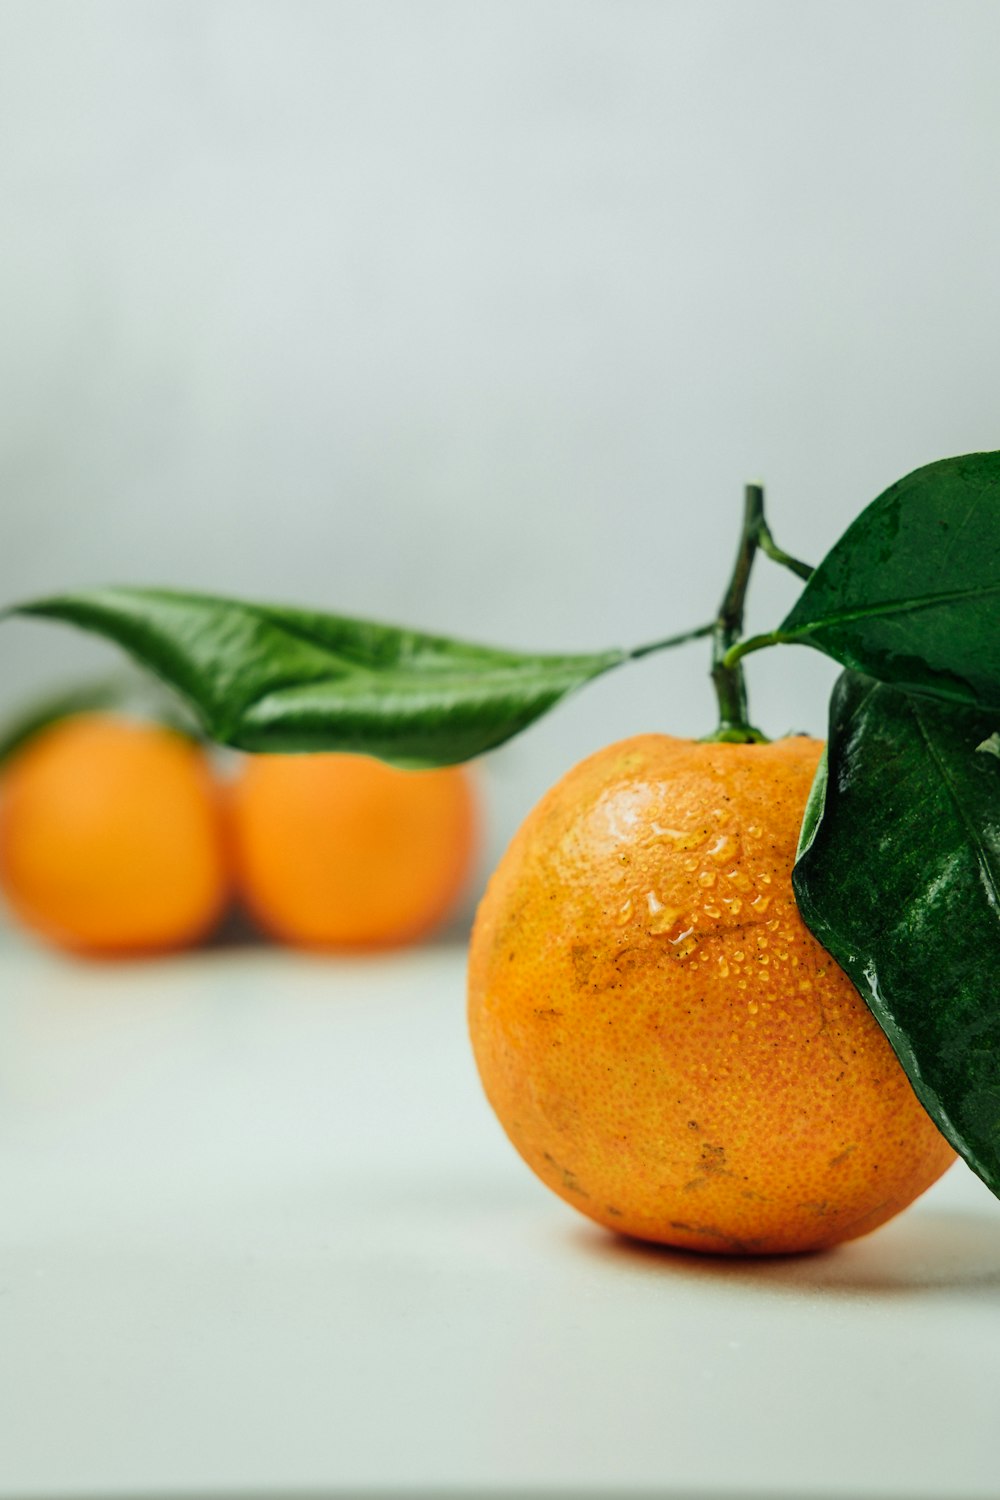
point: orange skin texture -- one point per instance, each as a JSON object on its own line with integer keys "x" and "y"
{"x": 112, "y": 838}
{"x": 663, "y": 1040}
{"x": 343, "y": 851}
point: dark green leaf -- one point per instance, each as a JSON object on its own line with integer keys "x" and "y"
{"x": 898, "y": 876}
{"x": 266, "y": 678}
{"x": 911, "y": 592}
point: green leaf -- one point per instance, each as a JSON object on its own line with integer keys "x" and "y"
{"x": 911, "y": 592}
{"x": 898, "y": 876}
{"x": 266, "y": 678}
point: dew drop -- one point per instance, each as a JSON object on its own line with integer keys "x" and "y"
{"x": 755, "y": 832}
{"x": 723, "y": 969}
{"x": 681, "y": 838}
{"x": 737, "y": 878}
{"x": 664, "y": 919}
{"x": 690, "y": 864}
{"x": 761, "y": 903}
{"x": 739, "y": 957}
{"x": 734, "y": 903}
{"x": 724, "y": 847}
{"x": 752, "y": 1007}
{"x": 712, "y": 911}
{"x": 625, "y": 911}
{"x": 707, "y": 879}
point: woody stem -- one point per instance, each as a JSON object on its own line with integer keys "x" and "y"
{"x": 728, "y": 681}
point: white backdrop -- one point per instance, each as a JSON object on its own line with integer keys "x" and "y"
{"x": 477, "y": 316}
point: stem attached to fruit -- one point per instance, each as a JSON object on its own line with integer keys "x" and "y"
{"x": 730, "y": 687}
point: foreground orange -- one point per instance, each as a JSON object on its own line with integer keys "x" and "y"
{"x": 111, "y": 838}
{"x": 343, "y": 851}
{"x": 663, "y": 1040}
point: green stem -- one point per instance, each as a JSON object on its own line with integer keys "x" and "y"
{"x": 770, "y": 548}
{"x": 697, "y": 634}
{"x": 736, "y": 652}
{"x": 727, "y": 676}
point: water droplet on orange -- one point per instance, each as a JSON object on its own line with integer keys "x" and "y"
{"x": 725, "y": 847}
{"x": 680, "y": 838}
{"x": 685, "y": 942}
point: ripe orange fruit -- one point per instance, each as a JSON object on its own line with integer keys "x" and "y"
{"x": 663, "y": 1040}
{"x": 111, "y": 838}
{"x": 343, "y": 851}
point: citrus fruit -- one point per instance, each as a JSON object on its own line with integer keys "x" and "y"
{"x": 111, "y": 837}
{"x": 663, "y": 1040}
{"x": 343, "y": 851}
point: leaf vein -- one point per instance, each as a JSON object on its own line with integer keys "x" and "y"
{"x": 892, "y": 606}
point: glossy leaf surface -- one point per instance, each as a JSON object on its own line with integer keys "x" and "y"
{"x": 266, "y": 678}
{"x": 911, "y": 592}
{"x": 898, "y": 876}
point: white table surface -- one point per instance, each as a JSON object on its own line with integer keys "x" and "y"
{"x": 260, "y": 1234}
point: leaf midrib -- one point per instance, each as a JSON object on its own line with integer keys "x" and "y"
{"x": 891, "y": 606}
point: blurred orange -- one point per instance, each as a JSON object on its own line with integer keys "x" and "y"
{"x": 112, "y": 837}
{"x": 343, "y": 851}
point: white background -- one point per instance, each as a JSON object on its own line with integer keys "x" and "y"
{"x": 477, "y": 316}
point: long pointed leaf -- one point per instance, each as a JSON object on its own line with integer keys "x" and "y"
{"x": 266, "y": 678}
